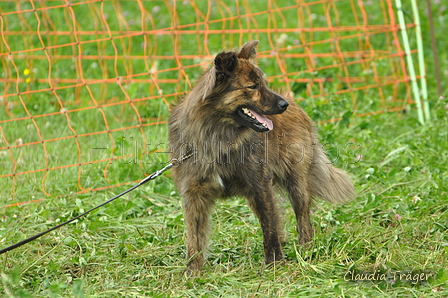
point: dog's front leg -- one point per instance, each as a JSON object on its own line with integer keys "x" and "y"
{"x": 262, "y": 203}
{"x": 198, "y": 206}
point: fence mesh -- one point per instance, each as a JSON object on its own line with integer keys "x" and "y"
{"x": 88, "y": 85}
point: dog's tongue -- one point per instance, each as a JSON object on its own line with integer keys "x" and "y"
{"x": 263, "y": 119}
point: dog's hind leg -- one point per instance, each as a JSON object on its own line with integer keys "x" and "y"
{"x": 300, "y": 199}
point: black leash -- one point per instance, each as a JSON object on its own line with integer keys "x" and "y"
{"x": 150, "y": 177}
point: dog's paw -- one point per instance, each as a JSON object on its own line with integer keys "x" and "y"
{"x": 192, "y": 273}
{"x": 275, "y": 264}
{"x": 306, "y": 244}
{"x": 194, "y": 267}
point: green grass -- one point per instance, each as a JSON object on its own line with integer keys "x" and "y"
{"x": 135, "y": 246}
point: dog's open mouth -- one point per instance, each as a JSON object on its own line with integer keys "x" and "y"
{"x": 254, "y": 120}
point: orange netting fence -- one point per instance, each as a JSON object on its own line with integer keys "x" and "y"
{"x": 86, "y": 86}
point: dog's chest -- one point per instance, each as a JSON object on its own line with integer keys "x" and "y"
{"x": 223, "y": 160}
{"x": 232, "y": 154}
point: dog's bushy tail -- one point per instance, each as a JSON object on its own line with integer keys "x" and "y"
{"x": 329, "y": 183}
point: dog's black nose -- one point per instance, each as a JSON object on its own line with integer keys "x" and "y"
{"x": 283, "y": 104}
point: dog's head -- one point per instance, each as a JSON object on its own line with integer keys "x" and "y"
{"x": 236, "y": 87}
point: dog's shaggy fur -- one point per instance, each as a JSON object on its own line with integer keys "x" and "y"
{"x": 247, "y": 138}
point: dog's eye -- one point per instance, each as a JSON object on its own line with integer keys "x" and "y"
{"x": 253, "y": 87}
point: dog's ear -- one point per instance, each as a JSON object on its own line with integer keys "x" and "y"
{"x": 226, "y": 62}
{"x": 248, "y": 51}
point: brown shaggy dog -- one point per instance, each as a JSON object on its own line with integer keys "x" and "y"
{"x": 247, "y": 138}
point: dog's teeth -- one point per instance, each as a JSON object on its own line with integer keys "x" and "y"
{"x": 248, "y": 113}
